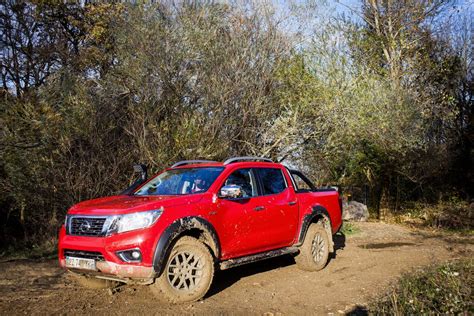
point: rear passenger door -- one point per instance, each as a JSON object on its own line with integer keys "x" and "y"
{"x": 278, "y": 208}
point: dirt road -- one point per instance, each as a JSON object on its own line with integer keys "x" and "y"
{"x": 362, "y": 268}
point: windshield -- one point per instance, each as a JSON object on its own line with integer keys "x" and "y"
{"x": 181, "y": 181}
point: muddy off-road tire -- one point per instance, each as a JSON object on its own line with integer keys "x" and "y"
{"x": 314, "y": 252}
{"x": 188, "y": 273}
{"x": 91, "y": 282}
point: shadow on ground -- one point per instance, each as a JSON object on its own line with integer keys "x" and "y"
{"x": 358, "y": 310}
{"x": 226, "y": 278}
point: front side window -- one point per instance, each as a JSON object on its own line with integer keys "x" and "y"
{"x": 272, "y": 179}
{"x": 245, "y": 179}
{"x": 181, "y": 181}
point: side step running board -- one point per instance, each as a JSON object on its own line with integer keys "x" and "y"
{"x": 257, "y": 257}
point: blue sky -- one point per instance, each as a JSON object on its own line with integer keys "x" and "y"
{"x": 324, "y": 10}
{"x": 345, "y": 6}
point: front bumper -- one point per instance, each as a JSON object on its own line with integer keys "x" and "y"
{"x": 122, "y": 271}
{"x": 111, "y": 265}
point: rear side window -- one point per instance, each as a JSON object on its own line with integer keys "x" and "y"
{"x": 272, "y": 179}
{"x": 301, "y": 184}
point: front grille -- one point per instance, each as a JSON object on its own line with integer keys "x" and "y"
{"x": 86, "y": 226}
{"x": 84, "y": 254}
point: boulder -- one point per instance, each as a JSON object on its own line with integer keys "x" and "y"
{"x": 355, "y": 211}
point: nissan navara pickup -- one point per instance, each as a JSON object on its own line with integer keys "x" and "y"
{"x": 174, "y": 230}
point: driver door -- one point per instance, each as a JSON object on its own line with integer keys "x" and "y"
{"x": 239, "y": 220}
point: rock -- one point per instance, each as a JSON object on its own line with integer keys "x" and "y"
{"x": 355, "y": 211}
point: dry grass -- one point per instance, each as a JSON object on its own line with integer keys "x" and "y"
{"x": 454, "y": 214}
{"x": 442, "y": 289}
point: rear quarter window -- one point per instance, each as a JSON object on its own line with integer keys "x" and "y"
{"x": 273, "y": 181}
{"x": 301, "y": 184}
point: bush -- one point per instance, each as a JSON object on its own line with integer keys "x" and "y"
{"x": 453, "y": 214}
{"x": 442, "y": 289}
{"x": 349, "y": 228}
{"x": 47, "y": 249}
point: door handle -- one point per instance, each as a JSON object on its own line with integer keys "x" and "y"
{"x": 292, "y": 203}
{"x": 259, "y": 208}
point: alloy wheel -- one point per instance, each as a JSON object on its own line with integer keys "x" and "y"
{"x": 185, "y": 271}
{"x": 318, "y": 248}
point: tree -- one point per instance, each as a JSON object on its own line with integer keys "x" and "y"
{"x": 151, "y": 83}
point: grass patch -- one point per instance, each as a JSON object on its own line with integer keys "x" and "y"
{"x": 349, "y": 228}
{"x": 442, "y": 289}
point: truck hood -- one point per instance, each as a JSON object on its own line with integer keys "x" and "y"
{"x": 123, "y": 204}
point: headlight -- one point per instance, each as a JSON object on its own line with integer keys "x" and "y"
{"x": 139, "y": 220}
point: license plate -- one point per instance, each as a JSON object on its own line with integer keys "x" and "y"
{"x": 80, "y": 263}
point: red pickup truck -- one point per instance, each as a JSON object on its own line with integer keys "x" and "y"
{"x": 173, "y": 230}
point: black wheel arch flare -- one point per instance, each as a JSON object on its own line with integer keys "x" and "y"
{"x": 318, "y": 211}
{"x": 176, "y": 229}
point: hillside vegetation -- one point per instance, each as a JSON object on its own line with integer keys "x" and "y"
{"x": 378, "y": 99}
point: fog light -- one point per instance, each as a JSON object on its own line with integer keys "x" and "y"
{"x": 132, "y": 255}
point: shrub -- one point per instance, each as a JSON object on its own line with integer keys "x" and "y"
{"x": 441, "y": 289}
{"x": 349, "y": 228}
{"x": 454, "y": 214}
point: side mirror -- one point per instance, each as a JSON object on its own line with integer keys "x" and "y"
{"x": 230, "y": 192}
{"x": 142, "y": 169}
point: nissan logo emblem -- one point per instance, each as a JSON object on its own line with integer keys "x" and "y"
{"x": 85, "y": 226}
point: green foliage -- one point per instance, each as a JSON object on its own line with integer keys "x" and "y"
{"x": 442, "y": 289}
{"x": 89, "y": 90}
{"x": 154, "y": 84}
{"x": 349, "y": 229}
{"x": 385, "y": 110}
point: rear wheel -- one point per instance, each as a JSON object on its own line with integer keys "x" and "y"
{"x": 92, "y": 282}
{"x": 314, "y": 252}
{"x": 188, "y": 273}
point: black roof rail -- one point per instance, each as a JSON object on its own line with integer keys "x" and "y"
{"x": 189, "y": 162}
{"x": 246, "y": 158}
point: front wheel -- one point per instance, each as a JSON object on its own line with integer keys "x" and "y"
{"x": 314, "y": 252}
{"x": 188, "y": 273}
